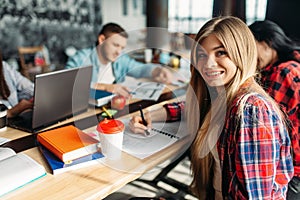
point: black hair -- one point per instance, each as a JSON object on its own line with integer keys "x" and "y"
{"x": 4, "y": 90}
{"x": 271, "y": 33}
{"x": 110, "y": 28}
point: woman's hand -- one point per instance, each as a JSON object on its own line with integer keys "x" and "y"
{"x": 136, "y": 123}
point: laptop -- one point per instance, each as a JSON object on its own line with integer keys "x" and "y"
{"x": 58, "y": 95}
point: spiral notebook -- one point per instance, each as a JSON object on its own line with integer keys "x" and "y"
{"x": 161, "y": 136}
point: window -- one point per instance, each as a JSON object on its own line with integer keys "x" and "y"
{"x": 189, "y": 15}
{"x": 255, "y": 10}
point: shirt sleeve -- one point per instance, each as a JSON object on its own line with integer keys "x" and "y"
{"x": 285, "y": 86}
{"x": 263, "y": 161}
{"x": 174, "y": 111}
{"x": 22, "y": 85}
{"x": 73, "y": 62}
{"x": 81, "y": 58}
{"x": 127, "y": 66}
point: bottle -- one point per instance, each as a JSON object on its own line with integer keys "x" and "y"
{"x": 164, "y": 58}
{"x": 175, "y": 62}
{"x": 46, "y": 54}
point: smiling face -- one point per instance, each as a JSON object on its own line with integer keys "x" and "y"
{"x": 213, "y": 62}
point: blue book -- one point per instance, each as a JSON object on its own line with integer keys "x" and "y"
{"x": 100, "y": 97}
{"x": 57, "y": 166}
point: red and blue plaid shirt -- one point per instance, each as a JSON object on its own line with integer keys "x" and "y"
{"x": 282, "y": 82}
{"x": 255, "y": 154}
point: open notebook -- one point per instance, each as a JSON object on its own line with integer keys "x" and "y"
{"x": 161, "y": 136}
{"x": 17, "y": 170}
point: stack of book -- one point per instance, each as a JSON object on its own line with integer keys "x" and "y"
{"x": 68, "y": 148}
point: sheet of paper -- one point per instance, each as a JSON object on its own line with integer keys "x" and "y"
{"x": 144, "y": 90}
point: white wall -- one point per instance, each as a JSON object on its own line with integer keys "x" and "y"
{"x": 134, "y": 22}
{"x": 112, "y": 11}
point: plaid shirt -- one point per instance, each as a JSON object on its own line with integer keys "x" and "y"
{"x": 254, "y": 152}
{"x": 282, "y": 82}
{"x": 255, "y": 155}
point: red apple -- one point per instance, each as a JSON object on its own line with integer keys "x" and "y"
{"x": 118, "y": 102}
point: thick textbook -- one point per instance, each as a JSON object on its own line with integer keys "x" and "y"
{"x": 68, "y": 142}
{"x": 16, "y": 170}
{"x": 57, "y": 166}
{"x": 100, "y": 97}
{"x": 161, "y": 136}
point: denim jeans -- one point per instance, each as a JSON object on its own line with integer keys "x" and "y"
{"x": 294, "y": 189}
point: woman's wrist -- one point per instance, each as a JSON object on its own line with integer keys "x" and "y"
{"x": 157, "y": 114}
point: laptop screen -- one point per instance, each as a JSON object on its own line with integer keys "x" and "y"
{"x": 60, "y": 94}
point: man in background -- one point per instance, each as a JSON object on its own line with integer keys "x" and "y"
{"x": 110, "y": 67}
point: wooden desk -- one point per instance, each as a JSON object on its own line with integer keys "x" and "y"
{"x": 93, "y": 182}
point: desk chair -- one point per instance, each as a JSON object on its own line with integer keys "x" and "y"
{"x": 182, "y": 188}
{"x": 33, "y": 60}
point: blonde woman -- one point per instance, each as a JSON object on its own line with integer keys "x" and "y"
{"x": 242, "y": 146}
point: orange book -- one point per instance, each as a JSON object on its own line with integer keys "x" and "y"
{"x": 68, "y": 142}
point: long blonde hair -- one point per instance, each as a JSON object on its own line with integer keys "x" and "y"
{"x": 240, "y": 45}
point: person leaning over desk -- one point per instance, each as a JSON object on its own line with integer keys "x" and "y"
{"x": 279, "y": 67}
{"x": 251, "y": 152}
{"x": 110, "y": 67}
{"x": 16, "y": 91}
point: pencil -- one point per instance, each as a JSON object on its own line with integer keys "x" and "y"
{"x": 143, "y": 119}
{"x": 107, "y": 113}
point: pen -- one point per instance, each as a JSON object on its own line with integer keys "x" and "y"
{"x": 143, "y": 119}
{"x": 107, "y": 113}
